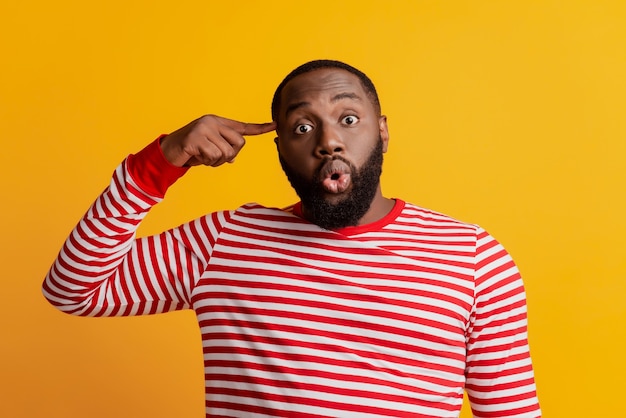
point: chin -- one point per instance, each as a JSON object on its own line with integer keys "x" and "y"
{"x": 337, "y": 198}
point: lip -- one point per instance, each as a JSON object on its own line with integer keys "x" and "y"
{"x": 335, "y": 176}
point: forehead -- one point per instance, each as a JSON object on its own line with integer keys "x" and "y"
{"x": 321, "y": 83}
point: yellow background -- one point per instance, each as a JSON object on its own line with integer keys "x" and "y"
{"x": 509, "y": 114}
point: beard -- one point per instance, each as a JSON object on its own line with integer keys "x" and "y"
{"x": 351, "y": 208}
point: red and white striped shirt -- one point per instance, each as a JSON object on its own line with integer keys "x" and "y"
{"x": 390, "y": 319}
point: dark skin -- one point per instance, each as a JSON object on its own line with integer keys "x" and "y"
{"x": 210, "y": 140}
{"x": 323, "y": 113}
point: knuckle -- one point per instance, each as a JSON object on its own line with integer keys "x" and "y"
{"x": 206, "y": 160}
{"x": 206, "y": 120}
{"x": 239, "y": 143}
{"x": 189, "y": 149}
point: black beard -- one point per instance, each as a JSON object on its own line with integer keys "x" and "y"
{"x": 349, "y": 210}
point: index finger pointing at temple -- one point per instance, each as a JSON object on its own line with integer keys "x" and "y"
{"x": 258, "y": 128}
{"x": 250, "y": 128}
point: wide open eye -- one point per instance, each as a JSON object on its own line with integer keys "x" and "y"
{"x": 303, "y": 128}
{"x": 350, "y": 120}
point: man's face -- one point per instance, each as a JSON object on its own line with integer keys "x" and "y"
{"x": 330, "y": 142}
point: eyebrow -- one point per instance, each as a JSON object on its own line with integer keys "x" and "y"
{"x": 341, "y": 96}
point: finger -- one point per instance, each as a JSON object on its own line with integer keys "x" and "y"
{"x": 224, "y": 145}
{"x": 218, "y": 144}
{"x": 215, "y": 153}
{"x": 258, "y": 128}
{"x": 249, "y": 128}
{"x": 232, "y": 137}
{"x": 231, "y": 143}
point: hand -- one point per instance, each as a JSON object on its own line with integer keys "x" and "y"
{"x": 209, "y": 140}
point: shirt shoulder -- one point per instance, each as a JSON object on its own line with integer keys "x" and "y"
{"x": 416, "y": 215}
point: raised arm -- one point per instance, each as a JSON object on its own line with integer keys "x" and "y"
{"x": 103, "y": 270}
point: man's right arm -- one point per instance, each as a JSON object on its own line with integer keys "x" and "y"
{"x": 102, "y": 270}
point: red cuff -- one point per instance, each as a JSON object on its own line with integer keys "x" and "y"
{"x": 151, "y": 171}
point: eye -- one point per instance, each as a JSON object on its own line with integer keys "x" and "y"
{"x": 350, "y": 120}
{"x": 302, "y": 129}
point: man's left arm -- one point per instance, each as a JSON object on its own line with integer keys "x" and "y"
{"x": 499, "y": 374}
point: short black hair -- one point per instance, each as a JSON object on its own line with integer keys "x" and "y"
{"x": 319, "y": 64}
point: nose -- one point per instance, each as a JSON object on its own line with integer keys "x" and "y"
{"x": 329, "y": 142}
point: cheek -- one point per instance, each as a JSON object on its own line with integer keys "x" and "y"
{"x": 296, "y": 155}
{"x": 292, "y": 149}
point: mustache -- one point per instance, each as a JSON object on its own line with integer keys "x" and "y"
{"x": 329, "y": 158}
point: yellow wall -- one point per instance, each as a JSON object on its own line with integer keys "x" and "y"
{"x": 510, "y": 114}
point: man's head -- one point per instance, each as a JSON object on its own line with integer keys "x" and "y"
{"x": 367, "y": 84}
{"x": 331, "y": 137}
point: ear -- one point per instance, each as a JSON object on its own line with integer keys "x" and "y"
{"x": 384, "y": 131}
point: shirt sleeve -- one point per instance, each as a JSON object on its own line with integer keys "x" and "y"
{"x": 104, "y": 270}
{"x": 499, "y": 374}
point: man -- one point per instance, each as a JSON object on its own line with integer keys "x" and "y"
{"x": 346, "y": 304}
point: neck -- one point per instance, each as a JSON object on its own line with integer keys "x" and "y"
{"x": 379, "y": 208}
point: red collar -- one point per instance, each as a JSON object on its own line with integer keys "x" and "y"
{"x": 360, "y": 229}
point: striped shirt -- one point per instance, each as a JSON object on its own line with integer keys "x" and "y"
{"x": 390, "y": 319}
